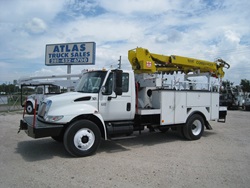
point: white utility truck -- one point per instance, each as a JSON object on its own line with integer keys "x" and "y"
{"x": 45, "y": 86}
{"x": 108, "y": 103}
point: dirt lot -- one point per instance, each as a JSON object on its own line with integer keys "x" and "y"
{"x": 221, "y": 158}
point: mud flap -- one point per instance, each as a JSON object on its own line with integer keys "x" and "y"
{"x": 23, "y": 126}
{"x": 222, "y": 114}
{"x": 208, "y": 126}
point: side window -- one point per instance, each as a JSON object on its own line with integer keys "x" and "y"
{"x": 125, "y": 82}
{"x": 39, "y": 90}
{"x": 109, "y": 84}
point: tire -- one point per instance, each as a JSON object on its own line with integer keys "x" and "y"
{"x": 194, "y": 127}
{"x": 179, "y": 130}
{"x": 82, "y": 138}
{"x": 58, "y": 138}
{"x": 163, "y": 129}
{"x": 29, "y": 108}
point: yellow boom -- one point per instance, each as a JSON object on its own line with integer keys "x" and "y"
{"x": 143, "y": 61}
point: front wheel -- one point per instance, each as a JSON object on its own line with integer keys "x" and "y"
{"x": 194, "y": 127}
{"x": 29, "y": 108}
{"x": 82, "y": 138}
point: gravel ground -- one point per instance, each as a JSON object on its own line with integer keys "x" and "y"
{"x": 221, "y": 158}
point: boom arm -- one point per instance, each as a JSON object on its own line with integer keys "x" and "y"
{"x": 143, "y": 61}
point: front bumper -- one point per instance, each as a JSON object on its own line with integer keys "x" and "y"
{"x": 39, "y": 129}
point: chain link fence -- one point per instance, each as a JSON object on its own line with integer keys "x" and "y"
{"x": 10, "y": 102}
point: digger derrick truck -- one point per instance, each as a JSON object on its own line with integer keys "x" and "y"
{"x": 108, "y": 103}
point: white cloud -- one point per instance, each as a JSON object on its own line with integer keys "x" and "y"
{"x": 138, "y": 6}
{"x": 22, "y": 10}
{"x": 35, "y": 26}
{"x": 200, "y": 29}
{"x": 232, "y": 36}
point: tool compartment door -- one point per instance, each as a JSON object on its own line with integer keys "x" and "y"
{"x": 214, "y": 106}
{"x": 164, "y": 100}
{"x": 180, "y": 107}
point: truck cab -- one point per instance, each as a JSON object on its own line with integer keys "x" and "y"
{"x": 103, "y": 102}
{"x": 100, "y": 93}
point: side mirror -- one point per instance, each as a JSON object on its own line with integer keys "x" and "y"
{"x": 118, "y": 82}
{"x": 103, "y": 89}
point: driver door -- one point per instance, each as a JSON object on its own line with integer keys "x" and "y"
{"x": 114, "y": 107}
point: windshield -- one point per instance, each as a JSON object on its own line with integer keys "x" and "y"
{"x": 91, "y": 82}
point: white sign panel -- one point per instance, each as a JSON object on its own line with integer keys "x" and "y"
{"x": 81, "y": 53}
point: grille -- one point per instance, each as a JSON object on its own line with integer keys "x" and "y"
{"x": 42, "y": 110}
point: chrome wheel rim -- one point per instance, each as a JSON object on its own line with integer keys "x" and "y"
{"x": 196, "y": 127}
{"x": 84, "y": 139}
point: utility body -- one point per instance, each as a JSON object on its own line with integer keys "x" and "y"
{"x": 109, "y": 103}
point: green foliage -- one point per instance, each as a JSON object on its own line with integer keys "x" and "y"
{"x": 10, "y": 88}
{"x": 245, "y": 85}
{"x": 227, "y": 83}
{"x": 226, "y": 86}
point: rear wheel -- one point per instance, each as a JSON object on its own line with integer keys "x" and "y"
{"x": 82, "y": 138}
{"x": 194, "y": 127}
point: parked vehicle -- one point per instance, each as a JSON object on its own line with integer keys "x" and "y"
{"x": 108, "y": 103}
{"x": 246, "y": 103}
{"x": 232, "y": 97}
{"x": 45, "y": 86}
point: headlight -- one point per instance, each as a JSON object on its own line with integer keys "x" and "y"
{"x": 44, "y": 108}
{"x": 48, "y": 117}
{"x": 53, "y": 118}
{"x": 48, "y": 104}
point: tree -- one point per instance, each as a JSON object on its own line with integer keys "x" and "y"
{"x": 245, "y": 85}
{"x": 8, "y": 89}
{"x": 226, "y": 85}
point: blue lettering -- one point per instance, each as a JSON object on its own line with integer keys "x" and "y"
{"x": 67, "y": 48}
{"x": 62, "y": 47}
{"x": 80, "y": 54}
{"x": 56, "y": 49}
{"x": 82, "y": 47}
{"x": 75, "y": 48}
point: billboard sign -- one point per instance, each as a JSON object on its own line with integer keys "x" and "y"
{"x": 80, "y": 53}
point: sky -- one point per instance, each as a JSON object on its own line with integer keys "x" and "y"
{"x": 204, "y": 29}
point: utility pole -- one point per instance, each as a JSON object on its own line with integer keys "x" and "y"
{"x": 120, "y": 62}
